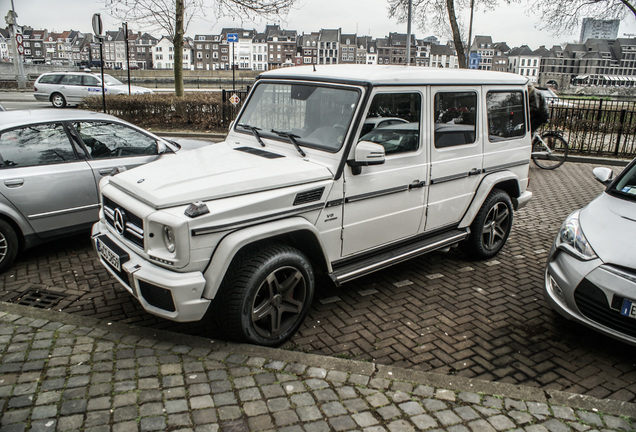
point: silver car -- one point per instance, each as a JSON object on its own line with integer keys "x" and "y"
{"x": 69, "y": 88}
{"x": 590, "y": 276}
{"x": 51, "y": 162}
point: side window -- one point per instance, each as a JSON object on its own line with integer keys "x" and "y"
{"x": 506, "y": 115}
{"x": 35, "y": 145}
{"x": 50, "y": 79}
{"x": 455, "y": 118}
{"x": 90, "y": 80}
{"x": 393, "y": 120}
{"x": 109, "y": 140}
{"x": 72, "y": 80}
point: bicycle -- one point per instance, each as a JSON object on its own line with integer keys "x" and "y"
{"x": 549, "y": 150}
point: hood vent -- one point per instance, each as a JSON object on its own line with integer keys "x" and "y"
{"x": 309, "y": 196}
{"x": 259, "y": 152}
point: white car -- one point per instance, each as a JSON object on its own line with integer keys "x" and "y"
{"x": 590, "y": 275}
{"x": 241, "y": 228}
{"x": 553, "y": 99}
{"x": 69, "y": 88}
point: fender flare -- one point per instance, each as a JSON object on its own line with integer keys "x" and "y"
{"x": 487, "y": 184}
{"x": 234, "y": 242}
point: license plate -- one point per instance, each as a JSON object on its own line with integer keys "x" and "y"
{"x": 628, "y": 308}
{"x": 108, "y": 255}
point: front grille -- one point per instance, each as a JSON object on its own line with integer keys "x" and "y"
{"x": 134, "y": 225}
{"x": 157, "y": 296}
{"x": 592, "y": 303}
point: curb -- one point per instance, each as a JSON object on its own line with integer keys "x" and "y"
{"x": 374, "y": 370}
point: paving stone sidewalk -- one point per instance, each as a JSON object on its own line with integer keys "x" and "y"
{"x": 61, "y": 372}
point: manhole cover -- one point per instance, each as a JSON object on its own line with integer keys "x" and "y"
{"x": 38, "y": 298}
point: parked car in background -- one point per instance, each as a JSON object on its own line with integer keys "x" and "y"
{"x": 590, "y": 275}
{"x": 553, "y": 99}
{"x": 50, "y": 164}
{"x": 371, "y": 123}
{"x": 69, "y": 88}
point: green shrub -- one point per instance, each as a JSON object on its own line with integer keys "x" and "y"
{"x": 193, "y": 111}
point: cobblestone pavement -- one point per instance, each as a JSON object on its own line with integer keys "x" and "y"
{"x": 60, "y": 372}
{"x": 439, "y": 313}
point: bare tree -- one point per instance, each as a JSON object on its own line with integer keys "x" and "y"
{"x": 563, "y": 16}
{"x": 174, "y": 17}
{"x": 444, "y": 16}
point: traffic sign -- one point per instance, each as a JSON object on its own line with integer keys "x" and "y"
{"x": 19, "y": 38}
{"x": 20, "y": 49}
{"x": 97, "y": 24}
{"x": 232, "y": 37}
{"x": 234, "y": 99}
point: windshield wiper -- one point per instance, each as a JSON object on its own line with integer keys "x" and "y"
{"x": 292, "y": 139}
{"x": 254, "y": 131}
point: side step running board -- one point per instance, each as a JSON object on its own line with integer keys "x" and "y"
{"x": 390, "y": 257}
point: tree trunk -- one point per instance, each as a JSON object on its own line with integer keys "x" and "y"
{"x": 457, "y": 37}
{"x": 178, "y": 49}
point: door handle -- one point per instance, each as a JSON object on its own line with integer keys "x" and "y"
{"x": 105, "y": 171}
{"x": 417, "y": 184}
{"x": 474, "y": 171}
{"x": 13, "y": 183}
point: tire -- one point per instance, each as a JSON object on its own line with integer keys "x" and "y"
{"x": 8, "y": 245}
{"x": 58, "y": 101}
{"x": 491, "y": 227}
{"x": 255, "y": 306}
{"x": 557, "y": 155}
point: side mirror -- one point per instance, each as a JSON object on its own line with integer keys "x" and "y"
{"x": 366, "y": 153}
{"x": 603, "y": 175}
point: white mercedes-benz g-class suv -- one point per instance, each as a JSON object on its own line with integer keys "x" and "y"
{"x": 243, "y": 227}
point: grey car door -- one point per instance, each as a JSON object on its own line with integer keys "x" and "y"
{"x": 111, "y": 145}
{"x": 72, "y": 89}
{"x": 42, "y": 176}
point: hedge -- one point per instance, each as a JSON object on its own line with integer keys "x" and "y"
{"x": 193, "y": 111}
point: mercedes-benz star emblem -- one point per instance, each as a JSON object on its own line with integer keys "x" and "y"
{"x": 120, "y": 221}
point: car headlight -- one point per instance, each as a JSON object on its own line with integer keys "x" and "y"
{"x": 572, "y": 239}
{"x": 168, "y": 239}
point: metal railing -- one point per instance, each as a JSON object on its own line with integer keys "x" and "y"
{"x": 595, "y": 127}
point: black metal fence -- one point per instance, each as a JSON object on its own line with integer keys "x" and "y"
{"x": 232, "y": 107}
{"x": 595, "y": 127}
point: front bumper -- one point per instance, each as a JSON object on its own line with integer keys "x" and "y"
{"x": 168, "y": 294}
{"x": 591, "y": 293}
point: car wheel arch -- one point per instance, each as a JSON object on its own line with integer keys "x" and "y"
{"x": 505, "y": 181}
{"x": 296, "y": 232}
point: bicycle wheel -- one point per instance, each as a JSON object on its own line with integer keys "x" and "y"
{"x": 554, "y": 155}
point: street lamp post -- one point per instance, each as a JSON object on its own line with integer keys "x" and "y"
{"x": 17, "y": 57}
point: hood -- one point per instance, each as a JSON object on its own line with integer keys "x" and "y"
{"x": 216, "y": 171}
{"x": 609, "y": 224}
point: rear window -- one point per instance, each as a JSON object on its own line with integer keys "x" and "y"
{"x": 49, "y": 79}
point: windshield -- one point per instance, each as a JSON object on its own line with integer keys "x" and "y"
{"x": 625, "y": 187}
{"x": 315, "y": 116}
{"x": 109, "y": 80}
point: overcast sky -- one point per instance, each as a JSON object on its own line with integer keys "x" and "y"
{"x": 510, "y": 24}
